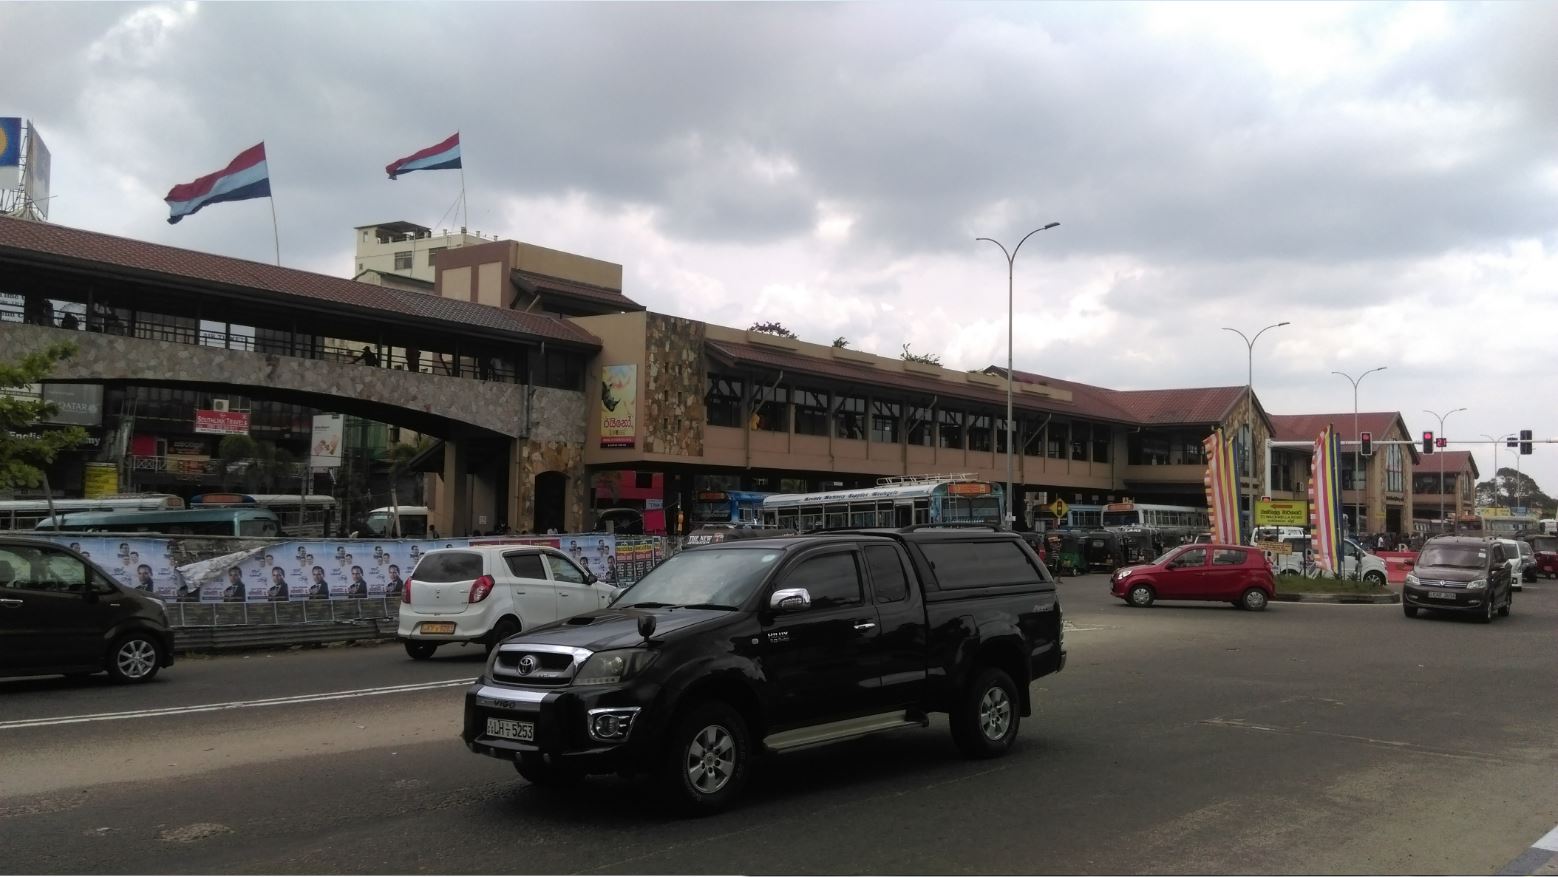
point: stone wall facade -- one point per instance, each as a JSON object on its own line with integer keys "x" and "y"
{"x": 557, "y": 416}
{"x": 535, "y": 457}
{"x": 673, "y": 387}
{"x": 486, "y": 404}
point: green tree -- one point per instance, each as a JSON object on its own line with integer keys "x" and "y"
{"x": 926, "y": 358}
{"x": 1507, "y": 485}
{"x": 25, "y": 450}
{"x": 841, "y": 341}
{"x": 772, "y": 329}
{"x": 399, "y": 456}
{"x": 255, "y": 466}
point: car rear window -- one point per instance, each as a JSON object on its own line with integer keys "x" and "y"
{"x": 1228, "y": 557}
{"x": 449, "y": 566}
{"x": 526, "y": 565}
{"x": 980, "y": 564}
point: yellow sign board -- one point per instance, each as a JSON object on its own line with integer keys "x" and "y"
{"x": 100, "y": 479}
{"x": 1058, "y": 508}
{"x": 1275, "y": 547}
{"x": 1281, "y": 513}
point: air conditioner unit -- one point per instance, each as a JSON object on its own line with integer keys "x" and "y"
{"x": 218, "y": 404}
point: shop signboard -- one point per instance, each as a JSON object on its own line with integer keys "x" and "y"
{"x": 100, "y": 479}
{"x": 213, "y": 422}
{"x": 1281, "y": 513}
{"x": 618, "y": 406}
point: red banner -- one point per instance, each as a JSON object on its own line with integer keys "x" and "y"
{"x": 222, "y": 422}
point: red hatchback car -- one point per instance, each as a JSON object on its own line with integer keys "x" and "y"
{"x": 1236, "y": 574}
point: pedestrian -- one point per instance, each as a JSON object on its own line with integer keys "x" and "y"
{"x": 70, "y": 322}
{"x": 367, "y": 356}
{"x": 432, "y": 531}
{"x": 1380, "y": 544}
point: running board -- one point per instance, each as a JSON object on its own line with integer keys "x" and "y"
{"x": 833, "y": 732}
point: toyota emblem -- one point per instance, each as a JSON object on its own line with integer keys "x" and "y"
{"x": 527, "y": 665}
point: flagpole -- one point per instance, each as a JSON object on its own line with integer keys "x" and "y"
{"x": 465, "y": 210}
{"x": 275, "y": 232}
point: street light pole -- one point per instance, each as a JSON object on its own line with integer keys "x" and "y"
{"x": 1495, "y": 442}
{"x": 1249, "y": 392}
{"x": 1440, "y": 434}
{"x": 1011, "y": 258}
{"x": 1357, "y": 451}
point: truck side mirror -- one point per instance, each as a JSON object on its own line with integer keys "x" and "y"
{"x": 790, "y": 600}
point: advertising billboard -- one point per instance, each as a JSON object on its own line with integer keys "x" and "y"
{"x": 618, "y": 406}
{"x": 324, "y": 450}
{"x": 35, "y": 178}
{"x": 221, "y": 422}
{"x": 1281, "y": 513}
{"x": 10, "y": 152}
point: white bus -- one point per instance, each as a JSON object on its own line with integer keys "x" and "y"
{"x": 1182, "y": 522}
{"x": 893, "y": 502}
{"x": 25, "y": 514}
{"x": 311, "y": 516}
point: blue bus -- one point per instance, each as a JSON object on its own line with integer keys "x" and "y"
{"x": 727, "y": 507}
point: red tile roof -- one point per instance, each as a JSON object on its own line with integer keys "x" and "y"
{"x": 1453, "y": 461}
{"x": 546, "y": 285}
{"x": 1184, "y": 406}
{"x": 44, "y": 243}
{"x": 1305, "y": 427}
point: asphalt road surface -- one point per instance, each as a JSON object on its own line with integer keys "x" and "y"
{"x": 1182, "y": 738}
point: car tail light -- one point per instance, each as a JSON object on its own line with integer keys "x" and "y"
{"x": 481, "y": 588}
{"x": 405, "y": 593}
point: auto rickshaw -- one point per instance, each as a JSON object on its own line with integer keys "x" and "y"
{"x": 1063, "y": 553}
{"x": 1546, "y": 549}
{"x": 1103, "y": 551}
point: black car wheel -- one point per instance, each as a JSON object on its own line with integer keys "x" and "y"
{"x": 505, "y": 628}
{"x": 1487, "y": 610}
{"x": 420, "y": 651}
{"x": 134, "y": 657}
{"x": 707, "y": 758}
{"x": 984, "y": 724}
{"x": 546, "y": 771}
{"x": 1140, "y": 596}
{"x": 1509, "y": 603}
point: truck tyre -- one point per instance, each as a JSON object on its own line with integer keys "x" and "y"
{"x": 420, "y": 651}
{"x": 707, "y": 759}
{"x": 1375, "y": 578}
{"x": 545, "y": 772}
{"x": 1140, "y": 596}
{"x": 984, "y": 724}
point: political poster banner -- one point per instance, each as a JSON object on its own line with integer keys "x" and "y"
{"x": 618, "y": 406}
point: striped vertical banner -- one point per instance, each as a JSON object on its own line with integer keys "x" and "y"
{"x": 1325, "y": 500}
{"x": 1222, "y": 499}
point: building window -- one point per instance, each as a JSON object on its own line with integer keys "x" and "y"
{"x": 564, "y": 371}
{"x": 1147, "y": 449}
{"x": 811, "y": 412}
{"x": 921, "y": 427}
{"x": 433, "y": 254}
{"x": 403, "y": 260}
{"x": 772, "y": 412}
{"x": 884, "y": 421}
{"x": 643, "y": 480}
{"x": 1000, "y": 435}
{"x": 1055, "y": 439}
{"x": 1394, "y": 469}
{"x": 722, "y": 401}
{"x": 951, "y": 428}
{"x": 1102, "y": 437}
{"x": 850, "y": 417}
{"x": 1081, "y": 434}
{"x": 979, "y": 432}
{"x": 1246, "y": 447}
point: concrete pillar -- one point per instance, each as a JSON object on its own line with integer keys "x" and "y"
{"x": 455, "y": 509}
{"x": 519, "y": 487}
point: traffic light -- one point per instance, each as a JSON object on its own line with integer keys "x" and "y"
{"x": 1525, "y": 441}
{"x": 1366, "y": 443}
{"x": 1428, "y": 441}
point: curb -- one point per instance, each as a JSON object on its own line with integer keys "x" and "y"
{"x": 1378, "y": 599}
{"x": 189, "y": 640}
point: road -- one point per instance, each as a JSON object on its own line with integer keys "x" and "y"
{"x": 1181, "y": 738}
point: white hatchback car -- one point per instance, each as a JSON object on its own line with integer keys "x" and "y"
{"x": 1522, "y": 562}
{"x": 485, "y": 594}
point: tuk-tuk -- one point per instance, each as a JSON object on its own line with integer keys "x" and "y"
{"x": 1546, "y": 550}
{"x": 1063, "y": 553}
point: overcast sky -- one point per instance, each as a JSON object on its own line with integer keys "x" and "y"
{"x": 1384, "y": 177}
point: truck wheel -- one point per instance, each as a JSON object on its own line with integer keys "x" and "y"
{"x": 420, "y": 651}
{"x": 545, "y": 772}
{"x": 1375, "y": 578}
{"x": 707, "y": 759}
{"x": 985, "y": 724}
{"x": 1253, "y": 599}
{"x": 1140, "y": 596}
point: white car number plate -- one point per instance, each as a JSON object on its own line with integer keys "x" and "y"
{"x": 1441, "y": 595}
{"x": 509, "y": 729}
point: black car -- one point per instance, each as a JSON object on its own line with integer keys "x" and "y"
{"x": 61, "y": 613}
{"x": 737, "y": 649}
{"x": 1465, "y": 574}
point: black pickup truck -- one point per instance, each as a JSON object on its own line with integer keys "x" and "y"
{"x": 728, "y": 651}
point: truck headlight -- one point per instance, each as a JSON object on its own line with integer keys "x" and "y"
{"x": 1476, "y": 584}
{"x": 617, "y": 665}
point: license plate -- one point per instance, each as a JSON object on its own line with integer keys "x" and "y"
{"x": 509, "y": 729}
{"x": 1441, "y": 595}
{"x": 438, "y": 627}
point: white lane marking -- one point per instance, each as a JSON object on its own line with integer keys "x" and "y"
{"x": 1548, "y": 842}
{"x": 231, "y": 705}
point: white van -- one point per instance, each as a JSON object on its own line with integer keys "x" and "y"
{"x": 1301, "y": 561}
{"x": 413, "y": 522}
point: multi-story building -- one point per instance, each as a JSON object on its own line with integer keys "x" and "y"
{"x": 1447, "y": 481}
{"x": 1376, "y": 490}
{"x": 403, "y": 254}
